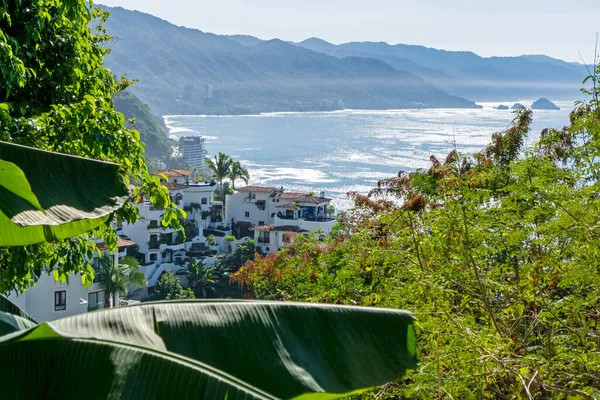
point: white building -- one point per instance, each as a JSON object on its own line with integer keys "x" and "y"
{"x": 273, "y": 217}
{"x": 158, "y": 245}
{"x": 49, "y": 300}
{"x": 193, "y": 152}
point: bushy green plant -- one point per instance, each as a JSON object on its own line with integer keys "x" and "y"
{"x": 496, "y": 255}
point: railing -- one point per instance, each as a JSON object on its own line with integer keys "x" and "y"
{"x": 280, "y": 215}
{"x": 153, "y": 225}
{"x": 319, "y": 219}
{"x": 263, "y": 240}
{"x": 154, "y": 246}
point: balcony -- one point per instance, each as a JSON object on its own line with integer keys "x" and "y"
{"x": 263, "y": 240}
{"x": 177, "y": 245}
{"x": 153, "y": 245}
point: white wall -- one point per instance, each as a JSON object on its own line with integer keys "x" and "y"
{"x": 38, "y": 301}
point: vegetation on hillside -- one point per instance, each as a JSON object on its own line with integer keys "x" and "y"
{"x": 152, "y": 133}
{"x": 497, "y": 255}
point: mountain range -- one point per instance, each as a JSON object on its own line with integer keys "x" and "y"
{"x": 187, "y": 71}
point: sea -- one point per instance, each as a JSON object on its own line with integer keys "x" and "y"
{"x": 350, "y": 150}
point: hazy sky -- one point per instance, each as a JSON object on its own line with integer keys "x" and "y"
{"x": 559, "y": 28}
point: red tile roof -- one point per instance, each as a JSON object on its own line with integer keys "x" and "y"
{"x": 257, "y": 189}
{"x": 290, "y": 195}
{"x": 263, "y": 227}
{"x": 121, "y": 244}
{"x": 173, "y": 173}
{"x": 312, "y": 200}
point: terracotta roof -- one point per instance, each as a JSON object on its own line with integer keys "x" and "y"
{"x": 290, "y": 195}
{"x": 121, "y": 244}
{"x": 312, "y": 199}
{"x": 173, "y": 186}
{"x": 263, "y": 227}
{"x": 173, "y": 173}
{"x": 257, "y": 189}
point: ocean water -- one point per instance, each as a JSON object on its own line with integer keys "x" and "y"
{"x": 350, "y": 150}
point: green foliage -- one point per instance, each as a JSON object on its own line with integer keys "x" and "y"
{"x": 169, "y": 288}
{"x": 199, "y": 278}
{"x": 138, "y": 116}
{"x": 37, "y": 207}
{"x": 116, "y": 278}
{"x": 243, "y": 252}
{"x": 236, "y": 171}
{"x": 56, "y": 95}
{"x": 193, "y": 349}
{"x": 220, "y": 169}
{"x": 496, "y": 255}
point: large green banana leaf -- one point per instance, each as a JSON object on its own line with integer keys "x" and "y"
{"x": 11, "y": 323}
{"x": 9, "y": 307}
{"x": 211, "y": 349}
{"x": 45, "y": 196}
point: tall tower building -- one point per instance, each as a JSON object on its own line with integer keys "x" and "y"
{"x": 193, "y": 152}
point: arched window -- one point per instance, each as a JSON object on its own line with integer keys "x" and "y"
{"x": 178, "y": 198}
{"x": 204, "y": 200}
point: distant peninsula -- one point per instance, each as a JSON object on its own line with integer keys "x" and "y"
{"x": 502, "y": 107}
{"x": 544, "y": 104}
{"x": 517, "y": 106}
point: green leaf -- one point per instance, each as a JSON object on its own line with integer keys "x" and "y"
{"x": 60, "y": 366}
{"x": 282, "y": 350}
{"x": 12, "y": 323}
{"x": 74, "y": 195}
{"x": 8, "y": 306}
{"x": 13, "y": 179}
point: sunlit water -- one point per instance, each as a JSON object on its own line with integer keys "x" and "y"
{"x": 350, "y": 150}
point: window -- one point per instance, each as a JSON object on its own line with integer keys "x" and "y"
{"x": 204, "y": 200}
{"x": 60, "y": 300}
{"x": 153, "y": 257}
{"x": 261, "y": 223}
{"x": 95, "y": 300}
{"x": 247, "y": 214}
{"x": 263, "y": 237}
{"x": 178, "y": 198}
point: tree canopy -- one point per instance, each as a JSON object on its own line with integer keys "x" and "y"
{"x": 55, "y": 94}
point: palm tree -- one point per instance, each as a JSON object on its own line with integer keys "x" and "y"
{"x": 220, "y": 167}
{"x": 236, "y": 171}
{"x": 115, "y": 279}
{"x": 199, "y": 278}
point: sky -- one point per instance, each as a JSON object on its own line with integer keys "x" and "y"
{"x": 559, "y": 28}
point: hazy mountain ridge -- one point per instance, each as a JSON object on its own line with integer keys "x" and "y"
{"x": 466, "y": 74}
{"x": 184, "y": 71}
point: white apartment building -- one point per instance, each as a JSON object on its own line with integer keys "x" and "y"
{"x": 49, "y": 300}
{"x": 272, "y": 217}
{"x": 193, "y": 152}
{"x": 158, "y": 245}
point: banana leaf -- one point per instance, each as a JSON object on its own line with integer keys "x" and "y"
{"x": 211, "y": 349}
{"x": 46, "y": 196}
{"x": 12, "y": 323}
{"x": 9, "y": 307}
